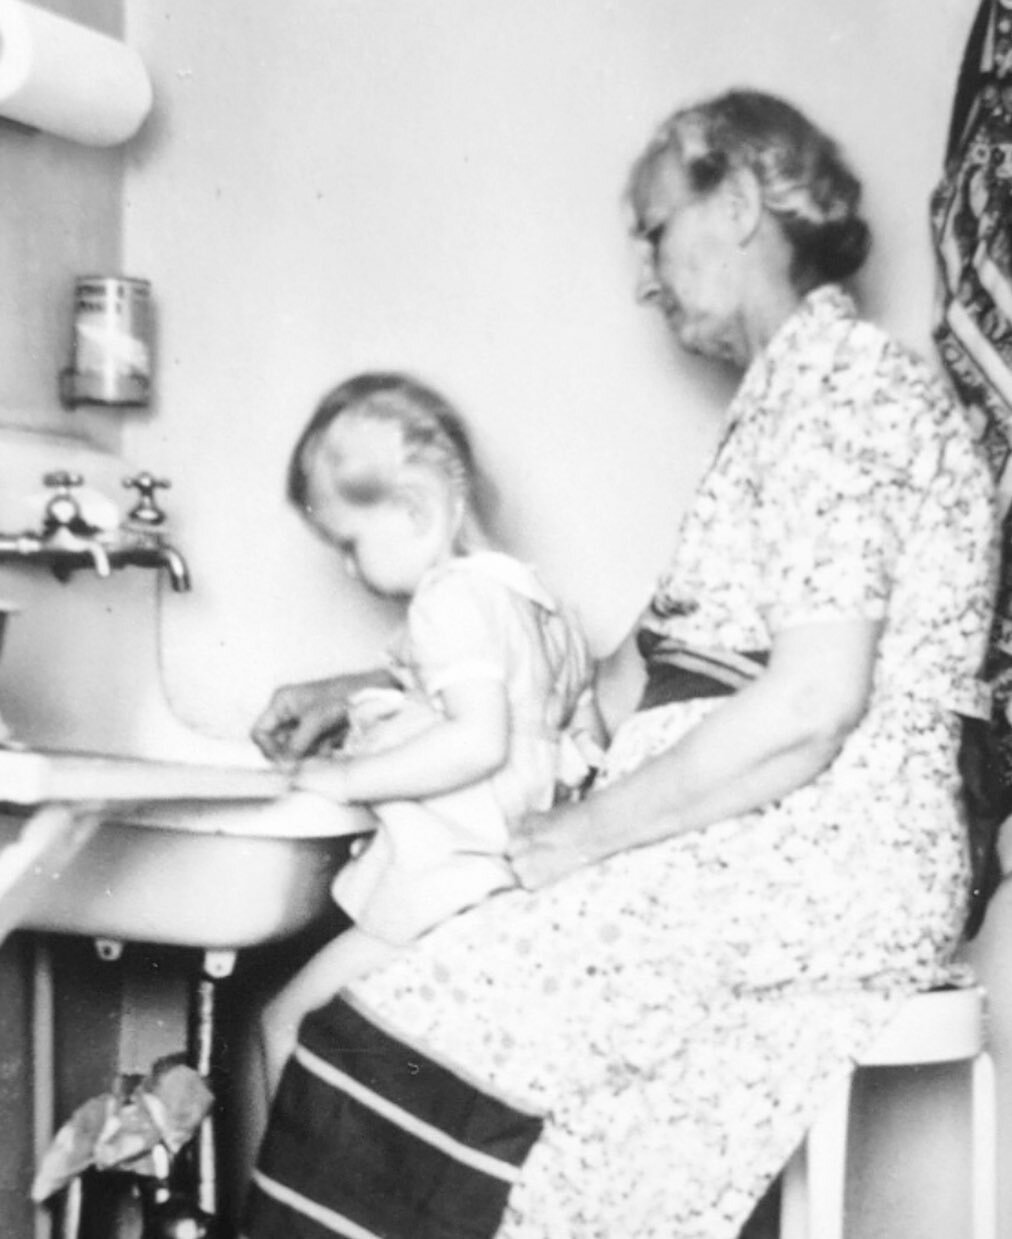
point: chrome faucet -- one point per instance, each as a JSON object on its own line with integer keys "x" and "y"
{"x": 175, "y": 564}
{"x": 146, "y": 511}
{"x": 63, "y": 526}
{"x": 140, "y": 540}
{"x": 68, "y": 541}
{"x": 143, "y": 549}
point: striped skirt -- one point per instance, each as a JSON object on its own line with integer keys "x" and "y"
{"x": 369, "y": 1139}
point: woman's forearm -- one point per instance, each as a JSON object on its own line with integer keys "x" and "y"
{"x": 771, "y": 738}
{"x": 721, "y": 769}
{"x": 755, "y": 747}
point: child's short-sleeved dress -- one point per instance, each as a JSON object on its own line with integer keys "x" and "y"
{"x": 481, "y": 616}
{"x": 678, "y": 1013}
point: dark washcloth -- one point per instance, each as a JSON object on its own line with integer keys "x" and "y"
{"x": 433, "y": 1156}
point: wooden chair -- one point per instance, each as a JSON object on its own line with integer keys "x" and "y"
{"x": 942, "y": 1026}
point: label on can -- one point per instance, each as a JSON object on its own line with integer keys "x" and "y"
{"x": 112, "y": 330}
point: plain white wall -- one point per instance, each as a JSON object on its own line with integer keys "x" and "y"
{"x": 435, "y": 185}
{"x": 60, "y": 217}
{"x": 331, "y": 184}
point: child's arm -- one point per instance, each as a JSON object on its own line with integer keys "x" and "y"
{"x": 469, "y": 743}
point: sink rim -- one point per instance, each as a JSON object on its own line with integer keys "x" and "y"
{"x": 173, "y": 887}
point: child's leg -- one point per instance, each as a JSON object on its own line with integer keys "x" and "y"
{"x": 348, "y": 956}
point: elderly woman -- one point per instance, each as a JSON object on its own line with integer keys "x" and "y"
{"x": 774, "y": 857}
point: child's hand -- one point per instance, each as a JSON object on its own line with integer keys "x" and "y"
{"x": 327, "y": 778}
{"x": 299, "y": 719}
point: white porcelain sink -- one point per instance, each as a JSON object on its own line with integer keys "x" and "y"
{"x": 130, "y": 849}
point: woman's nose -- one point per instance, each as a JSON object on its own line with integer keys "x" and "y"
{"x": 350, "y": 565}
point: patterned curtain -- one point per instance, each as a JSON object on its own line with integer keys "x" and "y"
{"x": 971, "y": 218}
{"x": 971, "y": 214}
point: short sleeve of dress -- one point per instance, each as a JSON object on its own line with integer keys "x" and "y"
{"x": 837, "y": 498}
{"x": 455, "y": 631}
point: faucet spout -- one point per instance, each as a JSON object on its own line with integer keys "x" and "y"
{"x": 175, "y": 564}
{"x": 63, "y": 540}
{"x": 98, "y": 557}
{"x": 147, "y": 550}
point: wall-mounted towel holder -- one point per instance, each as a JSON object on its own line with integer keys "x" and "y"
{"x": 67, "y": 79}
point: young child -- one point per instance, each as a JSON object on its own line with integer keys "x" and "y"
{"x": 489, "y": 698}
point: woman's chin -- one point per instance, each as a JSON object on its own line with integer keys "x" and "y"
{"x": 694, "y": 338}
{"x": 691, "y": 339}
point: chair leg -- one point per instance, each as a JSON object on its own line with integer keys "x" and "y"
{"x": 812, "y": 1201}
{"x": 984, "y": 1169}
{"x": 794, "y": 1195}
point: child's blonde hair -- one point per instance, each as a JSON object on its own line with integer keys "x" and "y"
{"x": 432, "y": 433}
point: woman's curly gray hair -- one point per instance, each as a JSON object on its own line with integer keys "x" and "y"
{"x": 805, "y": 182}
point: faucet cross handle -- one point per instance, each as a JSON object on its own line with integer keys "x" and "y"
{"x": 146, "y": 511}
{"x": 62, "y": 510}
{"x": 62, "y": 478}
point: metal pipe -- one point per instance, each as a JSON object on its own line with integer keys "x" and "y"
{"x": 43, "y": 1067}
{"x": 202, "y": 1054}
{"x": 63, "y": 558}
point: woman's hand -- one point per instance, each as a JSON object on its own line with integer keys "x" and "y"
{"x": 546, "y": 847}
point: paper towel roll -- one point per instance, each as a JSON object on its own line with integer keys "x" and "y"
{"x": 68, "y": 79}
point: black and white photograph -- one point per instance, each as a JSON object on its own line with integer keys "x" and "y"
{"x": 505, "y": 619}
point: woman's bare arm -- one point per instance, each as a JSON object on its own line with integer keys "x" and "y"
{"x": 769, "y": 739}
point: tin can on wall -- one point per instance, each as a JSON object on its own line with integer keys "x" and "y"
{"x": 111, "y": 349}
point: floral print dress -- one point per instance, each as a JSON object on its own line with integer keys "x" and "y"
{"x": 678, "y": 1012}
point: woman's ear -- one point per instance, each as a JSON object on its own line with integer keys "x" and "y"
{"x": 744, "y": 203}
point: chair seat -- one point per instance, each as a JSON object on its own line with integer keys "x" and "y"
{"x": 940, "y": 1026}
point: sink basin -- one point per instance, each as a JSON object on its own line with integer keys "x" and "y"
{"x": 222, "y": 872}
{"x": 166, "y": 884}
